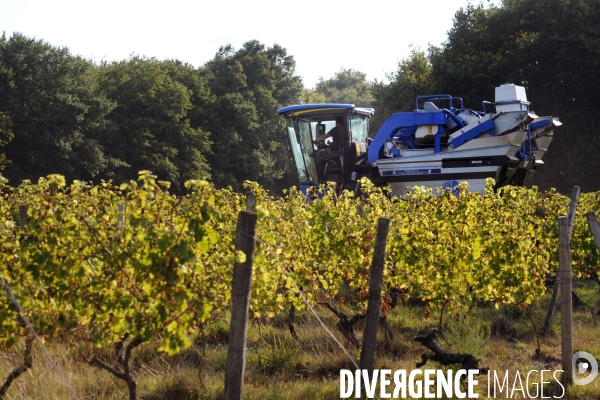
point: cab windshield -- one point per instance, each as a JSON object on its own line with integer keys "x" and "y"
{"x": 359, "y": 127}
{"x": 301, "y": 136}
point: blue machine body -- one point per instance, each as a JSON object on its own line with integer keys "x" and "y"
{"x": 439, "y": 143}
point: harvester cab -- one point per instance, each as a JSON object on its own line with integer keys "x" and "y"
{"x": 342, "y": 156}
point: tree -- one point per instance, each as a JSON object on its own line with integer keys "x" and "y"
{"x": 312, "y": 97}
{"x": 52, "y": 105}
{"x": 411, "y": 79}
{"x": 249, "y": 139}
{"x": 346, "y": 86}
{"x": 6, "y": 136}
{"x": 149, "y": 128}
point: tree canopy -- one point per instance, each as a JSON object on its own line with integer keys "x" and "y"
{"x": 50, "y": 108}
{"x": 411, "y": 79}
{"x": 149, "y": 128}
{"x": 346, "y": 86}
{"x": 63, "y": 114}
{"x": 249, "y": 140}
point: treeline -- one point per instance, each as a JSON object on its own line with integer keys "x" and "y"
{"x": 61, "y": 113}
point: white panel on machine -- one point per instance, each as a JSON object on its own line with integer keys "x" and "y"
{"x": 424, "y": 130}
{"x": 510, "y": 92}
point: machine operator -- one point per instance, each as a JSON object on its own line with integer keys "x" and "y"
{"x": 337, "y": 135}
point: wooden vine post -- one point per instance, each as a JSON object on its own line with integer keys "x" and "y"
{"x": 23, "y": 216}
{"x": 367, "y": 355}
{"x": 594, "y": 227}
{"x": 121, "y": 216}
{"x": 553, "y": 306}
{"x": 566, "y": 310}
{"x": 245, "y": 241}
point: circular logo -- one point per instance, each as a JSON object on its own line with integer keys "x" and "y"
{"x": 581, "y": 363}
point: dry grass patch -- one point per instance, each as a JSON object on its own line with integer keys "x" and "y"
{"x": 281, "y": 367}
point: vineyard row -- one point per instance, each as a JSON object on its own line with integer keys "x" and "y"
{"x": 99, "y": 263}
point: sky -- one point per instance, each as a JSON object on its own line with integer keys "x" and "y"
{"x": 323, "y": 36}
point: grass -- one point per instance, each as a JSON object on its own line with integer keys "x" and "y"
{"x": 280, "y": 367}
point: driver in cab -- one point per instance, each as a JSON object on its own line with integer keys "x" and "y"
{"x": 337, "y": 135}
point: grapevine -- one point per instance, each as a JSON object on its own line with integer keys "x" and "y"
{"x": 105, "y": 263}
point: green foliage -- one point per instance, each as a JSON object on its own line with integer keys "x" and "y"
{"x": 476, "y": 56}
{"x": 346, "y": 86}
{"x": 63, "y": 114}
{"x": 249, "y": 141}
{"x": 467, "y": 334}
{"x": 548, "y": 46}
{"x": 50, "y": 103}
{"x": 411, "y": 79}
{"x": 98, "y": 262}
{"x": 449, "y": 251}
{"x": 85, "y": 270}
{"x": 150, "y": 126}
{"x": 312, "y": 97}
{"x": 6, "y": 136}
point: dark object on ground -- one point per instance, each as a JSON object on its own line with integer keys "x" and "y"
{"x": 346, "y": 324}
{"x": 467, "y": 361}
